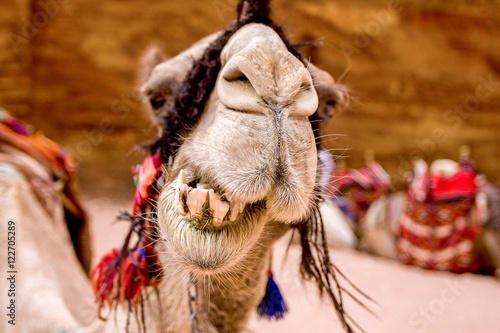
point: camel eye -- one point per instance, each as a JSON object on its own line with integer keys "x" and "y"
{"x": 157, "y": 101}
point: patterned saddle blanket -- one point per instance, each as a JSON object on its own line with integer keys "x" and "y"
{"x": 436, "y": 230}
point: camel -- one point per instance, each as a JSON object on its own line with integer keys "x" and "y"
{"x": 234, "y": 167}
{"x": 382, "y": 223}
{"x": 367, "y": 198}
{"x": 45, "y": 232}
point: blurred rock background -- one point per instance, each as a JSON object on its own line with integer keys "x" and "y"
{"x": 424, "y": 75}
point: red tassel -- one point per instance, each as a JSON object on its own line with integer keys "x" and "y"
{"x": 104, "y": 277}
{"x": 135, "y": 277}
{"x": 122, "y": 275}
{"x": 122, "y": 278}
{"x": 146, "y": 176}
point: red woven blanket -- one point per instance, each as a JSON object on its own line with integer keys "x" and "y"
{"x": 438, "y": 235}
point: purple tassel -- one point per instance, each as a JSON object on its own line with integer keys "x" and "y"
{"x": 272, "y": 305}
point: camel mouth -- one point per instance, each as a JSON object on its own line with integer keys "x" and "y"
{"x": 204, "y": 206}
{"x": 205, "y": 231}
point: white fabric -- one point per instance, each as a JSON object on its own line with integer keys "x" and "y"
{"x": 327, "y": 166}
{"x": 337, "y": 230}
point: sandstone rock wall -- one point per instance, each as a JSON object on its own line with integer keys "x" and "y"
{"x": 15, "y": 69}
{"x": 424, "y": 75}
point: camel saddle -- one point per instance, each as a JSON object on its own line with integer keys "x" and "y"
{"x": 436, "y": 230}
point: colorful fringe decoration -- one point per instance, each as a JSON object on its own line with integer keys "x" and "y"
{"x": 272, "y": 305}
{"x": 15, "y": 133}
{"x": 122, "y": 275}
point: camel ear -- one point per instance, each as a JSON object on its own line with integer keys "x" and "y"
{"x": 332, "y": 96}
{"x": 154, "y": 92}
{"x": 161, "y": 77}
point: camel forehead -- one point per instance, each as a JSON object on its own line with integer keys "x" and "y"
{"x": 253, "y": 37}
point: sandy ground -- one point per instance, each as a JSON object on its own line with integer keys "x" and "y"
{"x": 410, "y": 300}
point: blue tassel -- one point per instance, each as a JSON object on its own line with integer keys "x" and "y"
{"x": 272, "y": 305}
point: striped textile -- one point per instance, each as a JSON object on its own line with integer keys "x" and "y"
{"x": 438, "y": 233}
{"x": 354, "y": 190}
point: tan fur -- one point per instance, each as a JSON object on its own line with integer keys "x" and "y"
{"x": 49, "y": 277}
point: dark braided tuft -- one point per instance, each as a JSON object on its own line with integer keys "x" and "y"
{"x": 315, "y": 263}
{"x": 255, "y": 11}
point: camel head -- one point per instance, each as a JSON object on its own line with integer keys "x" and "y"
{"x": 250, "y": 159}
{"x": 240, "y": 115}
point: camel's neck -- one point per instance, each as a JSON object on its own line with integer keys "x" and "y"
{"x": 231, "y": 300}
{"x": 225, "y": 303}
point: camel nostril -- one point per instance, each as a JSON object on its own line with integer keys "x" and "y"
{"x": 237, "y": 91}
{"x": 306, "y": 85}
{"x": 234, "y": 73}
{"x": 242, "y": 78}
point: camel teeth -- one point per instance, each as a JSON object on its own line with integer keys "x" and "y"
{"x": 181, "y": 193}
{"x": 219, "y": 207}
{"x": 195, "y": 200}
{"x": 181, "y": 177}
{"x": 236, "y": 208}
{"x": 233, "y": 212}
{"x": 191, "y": 201}
{"x": 184, "y": 191}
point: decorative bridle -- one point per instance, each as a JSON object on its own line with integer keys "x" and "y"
{"x": 122, "y": 275}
